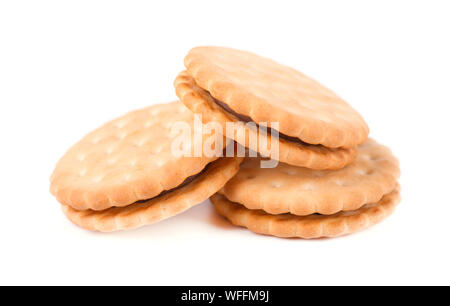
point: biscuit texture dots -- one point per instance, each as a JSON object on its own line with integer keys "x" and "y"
{"x": 316, "y": 157}
{"x": 159, "y": 208}
{"x": 126, "y": 160}
{"x": 301, "y": 191}
{"x": 308, "y": 227}
{"x": 266, "y": 91}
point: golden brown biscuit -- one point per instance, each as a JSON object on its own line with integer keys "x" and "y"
{"x": 308, "y": 227}
{"x": 301, "y": 191}
{"x": 127, "y": 160}
{"x": 265, "y": 91}
{"x": 161, "y": 207}
{"x": 295, "y": 153}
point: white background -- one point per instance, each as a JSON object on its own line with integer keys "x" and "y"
{"x": 68, "y": 67}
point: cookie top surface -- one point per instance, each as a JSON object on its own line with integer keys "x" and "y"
{"x": 302, "y": 191}
{"x": 127, "y": 160}
{"x": 299, "y": 154}
{"x": 311, "y": 226}
{"x": 266, "y": 91}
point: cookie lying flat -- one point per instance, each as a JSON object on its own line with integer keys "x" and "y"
{"x": 127, "y": 160}
{"x": 301, "y": 191}
{"x": 291, "y": 151}
{"x": 161, "y": 207}
{"x": 261, "y": 90}
{"x": 308, "y": 227}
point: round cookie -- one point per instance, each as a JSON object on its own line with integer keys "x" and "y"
{"x": 265, "y": 91}
{"x": 296, "y": 153}
{"x": 127, "y": 160}
{"x": 301, "y": 191}
{"x": 161, "y": 207}
{"x": 307, "y": 227}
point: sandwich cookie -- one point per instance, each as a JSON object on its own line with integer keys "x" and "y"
{"x": 307, "y": 227}
{"x": 125, "y": 174}
{"x": 301, "y": 191}
{"x": 317, "y": 129}
{"x": 289, "y": 201}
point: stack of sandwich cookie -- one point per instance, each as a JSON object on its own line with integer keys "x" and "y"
{"x": 328, "y": 179}
{"x": 125, "y": 175}
{"x": 331, "y": 180}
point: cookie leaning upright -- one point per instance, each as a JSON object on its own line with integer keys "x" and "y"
{"x": 125, "y": 173}
{"x": 315, "y": 125}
